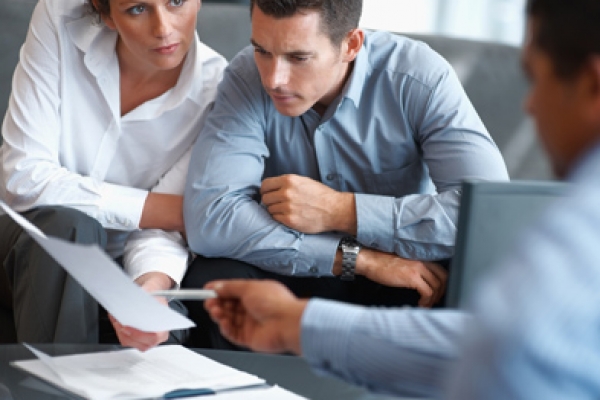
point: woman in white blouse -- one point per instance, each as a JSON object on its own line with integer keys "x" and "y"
{"x": 107, "y": 99}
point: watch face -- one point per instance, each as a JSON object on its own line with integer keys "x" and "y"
{"x": 349, "y": 241}
{"x": 350, "y": 245}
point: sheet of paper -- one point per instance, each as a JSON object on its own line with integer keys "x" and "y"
{"x": 129, "y": 374}
{"x": 269, "y": 393}
{"x": 106, "y": 282}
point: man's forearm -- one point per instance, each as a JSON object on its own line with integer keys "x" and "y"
{"x": 418, "y": 346}
{"x": 343, "y": 214}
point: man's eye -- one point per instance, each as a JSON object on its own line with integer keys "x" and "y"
{"x": 300, "y": 59}
{"x": 177, "y": 3}
{"x": 259, "y": 50}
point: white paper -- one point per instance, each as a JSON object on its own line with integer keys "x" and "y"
{"x": 107, "y": 282}
{"x": 270, "y": 393}
{"x": 129, "y": 374}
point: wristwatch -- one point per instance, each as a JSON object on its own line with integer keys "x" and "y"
{"x": 350, "y": 248}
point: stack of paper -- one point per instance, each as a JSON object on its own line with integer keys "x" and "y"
{"x": 163, "y": 372}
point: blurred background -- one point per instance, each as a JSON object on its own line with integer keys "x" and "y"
{"x": 491, "y": 20}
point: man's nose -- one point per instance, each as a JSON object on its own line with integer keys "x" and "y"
{"x": 278, "y": 74}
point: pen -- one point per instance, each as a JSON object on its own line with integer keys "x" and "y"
{"x": 186, "y": 294}
{"x": 179, "y": 393}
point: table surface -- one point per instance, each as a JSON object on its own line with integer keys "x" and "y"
{"x": 289, "y": 372}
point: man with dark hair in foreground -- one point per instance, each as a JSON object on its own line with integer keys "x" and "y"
{"x": 534, "y": 329}
{"x": 333, "y": 152}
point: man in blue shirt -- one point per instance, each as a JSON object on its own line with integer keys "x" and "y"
{"x": 333, "y": 152}
{"x": 534, "y": 329}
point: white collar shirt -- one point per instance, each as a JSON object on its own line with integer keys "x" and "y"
{"x": 66, "y": 143}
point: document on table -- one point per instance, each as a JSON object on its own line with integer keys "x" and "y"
{"x": 129, "y": 374}
{"x": 106, "y": 282}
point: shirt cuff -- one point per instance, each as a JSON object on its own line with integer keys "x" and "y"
{"x": 326, "y": 332}
{"x": 317, "y": 255}
{"x": 121, "y": 207}
{"x": 375, "y": 221}
{"x": 157, "y": 255}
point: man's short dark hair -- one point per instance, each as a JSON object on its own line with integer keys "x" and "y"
{"x": 338, "y": 17}
{"x": 568, "y": 31}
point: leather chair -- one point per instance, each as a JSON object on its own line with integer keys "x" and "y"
{"x": 14, "y": 21}
{"x": 225, "y": 26}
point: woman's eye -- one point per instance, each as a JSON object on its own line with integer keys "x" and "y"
{"x": 136, "y": 10}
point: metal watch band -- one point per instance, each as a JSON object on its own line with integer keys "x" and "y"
{"x": 350, "y": 248}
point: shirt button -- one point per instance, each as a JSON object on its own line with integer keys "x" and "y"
{"x": 314, "y": 270}
{"x": 330, "y": 177}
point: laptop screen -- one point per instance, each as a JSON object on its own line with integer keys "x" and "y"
{"x": 492, "y": 214}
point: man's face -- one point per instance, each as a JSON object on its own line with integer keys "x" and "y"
{"x": 298, "y": 65}
{"x": 560, "y": 107}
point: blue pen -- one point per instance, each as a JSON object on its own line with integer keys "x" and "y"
{"x": 179, "y": 393}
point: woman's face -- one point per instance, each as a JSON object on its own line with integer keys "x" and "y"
{"x": 154, "y": 35}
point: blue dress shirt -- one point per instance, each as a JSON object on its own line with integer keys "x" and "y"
{"x": 538, "y": 331}
{"x": 402, "y": 136}
{"x": 535, "y": 333}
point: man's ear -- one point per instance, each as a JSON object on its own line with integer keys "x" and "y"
{"x": 352, "y": 44}
{"x": 590, "y": 81}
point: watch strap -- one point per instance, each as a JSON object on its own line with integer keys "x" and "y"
{"x": 350, "y": 249}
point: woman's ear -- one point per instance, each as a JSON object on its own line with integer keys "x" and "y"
{"x": 105, "y": 17}
{"x": 352, "y": 44}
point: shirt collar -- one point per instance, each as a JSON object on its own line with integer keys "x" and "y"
{"x": 356, "y": 82}
{"x": 98, "y": 42}
{"x": 95, "y": 40}
{"x": 192, "y": 69}
{"x": 587, "y": 165}
{"x": 175, "y": 96}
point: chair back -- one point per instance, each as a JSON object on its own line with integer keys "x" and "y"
{"x": 225, "y": 27}
{"x": 14, "y": 22}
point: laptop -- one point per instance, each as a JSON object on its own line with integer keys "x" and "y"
{"x": 492, "y": 214}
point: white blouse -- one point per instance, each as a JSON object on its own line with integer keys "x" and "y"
{"x": 65, "y": 142}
